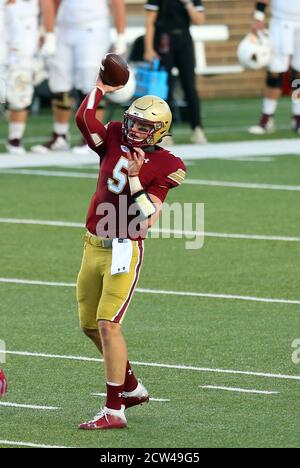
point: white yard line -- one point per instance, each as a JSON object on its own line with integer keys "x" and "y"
{"x": 201, "y": 182}
{"x": 211, "y": 151}
{"x": 158, "y": 365}
{"x": 243, "y": 185}
{"x": 239, "y": 390}
{"x": 38, "y": 172}
{"x": 185, "y": 233}
{"x": 204, "y": 182}
{"x": 30, "y": 444}
{"x": 160, "y": 292}
{"x": 34, "y": 407}
{"x": 162, "y": 400}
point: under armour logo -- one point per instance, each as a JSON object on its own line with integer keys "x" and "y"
{"x": 146, "y": 160}
{"x": 130, "y": 372}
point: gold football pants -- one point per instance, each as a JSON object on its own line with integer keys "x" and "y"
{"x": 100, "y": 295}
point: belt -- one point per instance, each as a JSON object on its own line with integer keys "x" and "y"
{"x": 98, "y": 241}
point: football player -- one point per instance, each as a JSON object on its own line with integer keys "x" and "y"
{"x": 285, "y": 42}
{"x": 83, "y": 34}
{"x": 21, "y": 58}
{"x": 7, "y": 15}
{"x": 3, "y": 384}
{"x": 135, "y": 177}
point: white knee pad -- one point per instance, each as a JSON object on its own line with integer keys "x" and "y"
{"x": 19, "y": 89}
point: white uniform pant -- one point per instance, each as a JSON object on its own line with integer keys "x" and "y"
{"x": 285, "y": 41}
{"x": 79, "y": 53}
{"x": 20, "y": 68}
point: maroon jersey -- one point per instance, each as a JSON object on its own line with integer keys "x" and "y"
{"x": 113, "y": 212}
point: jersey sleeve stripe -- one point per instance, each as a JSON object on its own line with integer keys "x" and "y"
{"x": 92, "y": 98}
{"x": 97, "y": 139}
{"x": 178, "y": 176}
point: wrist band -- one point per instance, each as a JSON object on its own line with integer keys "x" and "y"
{"x": 261, "y": 6}
{"x": 144, "y": 204}
{"x": 135, "y": 184}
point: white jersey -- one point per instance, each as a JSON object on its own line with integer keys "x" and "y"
{"x": 10, "y": 26}
{"x": 286, "y": 9}
{"x": 28, "y": 8}
{"x": 78, "y": 13}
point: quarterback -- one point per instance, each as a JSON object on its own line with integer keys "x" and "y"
{"x": 134, "y": 179}
{"x": 285, "y": 43}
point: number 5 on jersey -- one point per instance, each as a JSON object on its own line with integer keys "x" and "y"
{"x": 117, "y": 184}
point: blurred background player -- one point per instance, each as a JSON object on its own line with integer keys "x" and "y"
{"x": 5, "y": 6}
{"x": 3, "y": 384}
{"x": 285, "y": 42}
{"x": 168, "y": 37}
{"x": 83, "y": 35}
{"x": 23, "y": 38}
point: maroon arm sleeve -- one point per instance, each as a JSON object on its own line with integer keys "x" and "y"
{"x": 91, "y": 128}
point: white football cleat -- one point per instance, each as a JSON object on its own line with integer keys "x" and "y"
{"x": 198, "y": 137}
{"x": 296, "y": 125}
{"x": 139, "y": 396}
{"x": 57, "y": 143}
{"x": 81, "y": 150}
{"x": 167, "y": 141}
{"x": 263, "y": 129}
{"x": 15, "y": 147}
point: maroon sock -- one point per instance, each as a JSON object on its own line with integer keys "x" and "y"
{"x": 297, "y": 120}
{"x": 131, "y": 382}
{"x": 264, "y": 120}
{"x": 114, "y": 396}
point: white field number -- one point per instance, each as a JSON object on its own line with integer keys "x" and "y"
{"x": 117, "y": 184}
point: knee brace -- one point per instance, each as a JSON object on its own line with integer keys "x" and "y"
{"x": 275, "y": 80}
{"x": 62, "y": 101}
{"x": 19, "y": 89}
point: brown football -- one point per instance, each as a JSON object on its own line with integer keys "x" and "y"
{"x": 114, "y": 70}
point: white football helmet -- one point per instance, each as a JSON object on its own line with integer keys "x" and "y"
{"x": 254, "y": 52}
{"x": 125, "y": 94}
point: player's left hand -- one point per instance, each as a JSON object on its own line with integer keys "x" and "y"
{"x": 48, "y": 45}
{"x": 136, "y": 160}
{"x": 120, "y": 46}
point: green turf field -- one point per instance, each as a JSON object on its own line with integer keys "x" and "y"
{"x": 180, "y": 343}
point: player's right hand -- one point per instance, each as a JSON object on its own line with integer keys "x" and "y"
{"x": 258, "y": 26}
{"x": 151, "y": 55}
{"x": 107, "y": 88}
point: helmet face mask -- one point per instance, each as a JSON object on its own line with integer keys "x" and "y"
{"x": 146, "y": 121}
